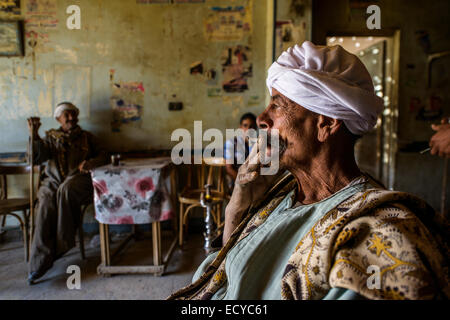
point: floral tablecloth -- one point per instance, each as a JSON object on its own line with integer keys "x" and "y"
{"x": 135, "y": 192}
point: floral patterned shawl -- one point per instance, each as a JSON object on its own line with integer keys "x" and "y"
{"x": 392, "y": 233}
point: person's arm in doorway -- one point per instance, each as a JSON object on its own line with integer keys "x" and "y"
{"x": 440, "y": 141}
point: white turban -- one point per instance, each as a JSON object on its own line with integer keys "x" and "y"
{"x": 329, "y": 81}
{"x": 63, "y": 107}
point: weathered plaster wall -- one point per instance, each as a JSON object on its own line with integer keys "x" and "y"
{"x": 150, "y": 43}
{"x": 424, "y": 29}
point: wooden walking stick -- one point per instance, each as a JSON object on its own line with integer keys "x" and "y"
{"x": 32, "y": 196}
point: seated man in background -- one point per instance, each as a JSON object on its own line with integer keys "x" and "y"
{"x": 238, "y": 149}
{"x": 324, "y": 230}
{"x": 71, "y": 152}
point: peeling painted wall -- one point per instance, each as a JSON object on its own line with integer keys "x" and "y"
{"x": 150, "y": 43}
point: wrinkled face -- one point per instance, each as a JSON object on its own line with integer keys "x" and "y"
{"x": 68, "y": 120}
{"x": 297, "y": 129}
{"x": 247, "y": 124}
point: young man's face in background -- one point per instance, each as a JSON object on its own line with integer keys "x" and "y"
{"x": 247, "y": 124}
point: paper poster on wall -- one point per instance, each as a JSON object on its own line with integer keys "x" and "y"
{"x": 236, "y": 68}
{"x": 10, "y": 7}
{"x": 283, "y": 36}
{"x": 127, "y": 103}
{"x": 228, "y": 23}
{"x": 73, "y": 83}
{"x": 288, "y": 35}
{"x": 41, "y": 14}
{"x": 10, "y": 39}
{"x": 152, "y": 1}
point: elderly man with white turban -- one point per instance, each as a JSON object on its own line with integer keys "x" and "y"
{"x": 70, "y": 153}
{"x": 321, "y": 229}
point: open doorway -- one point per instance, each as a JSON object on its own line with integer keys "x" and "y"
{"x": 375, "y": 151}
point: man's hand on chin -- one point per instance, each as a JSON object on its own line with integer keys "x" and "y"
{"x": 250, "y": 188}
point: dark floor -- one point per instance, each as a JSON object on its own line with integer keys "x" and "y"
{"x": 179, "y": 272}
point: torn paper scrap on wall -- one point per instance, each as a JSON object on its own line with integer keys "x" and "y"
{"x": 196, "y": 68}
{"x": 127, "y": 102}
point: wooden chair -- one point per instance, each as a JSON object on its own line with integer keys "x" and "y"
{"x": 32, "y": 201}
{"x": 211, "y": 171}
{"x": 9, "y": 206}
{"x": 80, "y": 229}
